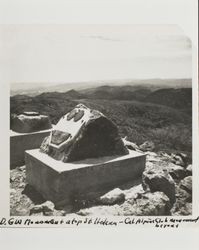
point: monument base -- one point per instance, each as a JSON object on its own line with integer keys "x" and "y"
{"x": 62, "y": 183}
{"x": 20, "y": 142}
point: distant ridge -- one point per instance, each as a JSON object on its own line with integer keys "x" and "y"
{"x": 175, "y": 98}
{"x": 33, "y": 89}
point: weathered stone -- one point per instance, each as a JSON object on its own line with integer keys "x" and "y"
{"x": 83, "y": 133}
{"x": 159, "y": 181}
{"x": 176, "y": 171}
{"x": 186, "y": 184}
{"x": 184, "y": 157}
{"x": 113, "y": 197}
{"x": 130, "y": 145}
{"x": 12, "y": 191}
{"x": 22, "y": 185}
{"x": 20, "y": 212}
{"x": 145, "y": 204}
{"x": 134, "y": 192}
{"x": 183, "y": 202}
{"x": 182, "y": 195}
{"x": 148, "y": 204}
{"x": 147, "y": 146}
{"x": 30, "y": 122}
{"x": 46, "y": 208}
{"x": 177, "y": 159}
{"x": 100, "y": 211}
{"x": 36, "y": 209}
{"x": 22, "y": 168}
{"x": 189, "y": 170}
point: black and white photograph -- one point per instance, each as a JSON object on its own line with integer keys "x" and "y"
{"x": 100, "y": 120}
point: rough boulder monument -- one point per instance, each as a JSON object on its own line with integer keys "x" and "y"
{"x": 81, "y": 134}
{"x": 82, "y": 158}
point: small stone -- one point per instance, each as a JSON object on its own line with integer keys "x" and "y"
{"x": 184, "y": 158}
{"x": 113, "y": 197}
{"x": 59, "y": 213}
{"x": 21, "y": 212}
{"x": 22, "y": 168}
{"x": 189, "y": 170}
{"x": 182, "y": 204}
{"x": 177, "y": 159}
{"x": 22, "y": 185}
{"x": 182, "y": 195}
{"x": 176, "y": 171}
{"x": 159, "y": 181}
{"x": 13, "y": 191}
{"x": 147, "y": 146}
{"x": 130, "y": 145}
{"x": 36, "y": 209}
{"x": 186, "y": 184}
{"x": 48, "y": 206}
{"x": 147, "y": 204}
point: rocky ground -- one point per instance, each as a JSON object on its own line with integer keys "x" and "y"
{"x": 164, "y": 189}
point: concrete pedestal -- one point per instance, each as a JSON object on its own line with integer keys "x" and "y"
{"x": 62, "y": 183}
{"x": 20, "y": 142}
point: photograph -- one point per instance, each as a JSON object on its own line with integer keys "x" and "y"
{"x": 100, "y": 120}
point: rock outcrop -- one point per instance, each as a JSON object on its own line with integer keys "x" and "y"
{"x": 159, "y": 181}
{"x": 166, "y": 189}
{"x": 83, "y": 133}
{"x": 156, "y": 204}
{"x": 145, "y": 204}
{"x": 28, "y": 122}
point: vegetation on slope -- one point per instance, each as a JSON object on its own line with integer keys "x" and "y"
{"x": 168, "y": 128}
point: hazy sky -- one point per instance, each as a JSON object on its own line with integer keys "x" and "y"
{"x": 65, "y": 53}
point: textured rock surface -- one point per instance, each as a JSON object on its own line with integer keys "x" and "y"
{"x": 130, "y": 145}
{"x": 189, "y": 170}
{"x": 145, "y": 204}
{"x": 30, "y": 122}
{"x": 147, "y": 146}
{"x": 176, "y": 171}
{"x": 156, "y": 203}
{"x": 159, "y": 181}
{"x": 186, "y": 184}
{"x": 83, "y": 133}
{"x": 46, "y": 208}
{"x": 137, "y": 200}
{"x": 113, "y": 197}
{"x": 183, "y": 204}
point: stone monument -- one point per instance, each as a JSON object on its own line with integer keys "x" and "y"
{"x": 28, "y": 130}
{"x": 81, "y": 134}
{"x": 83, "y": 156}
{"x": 29, "y": 122}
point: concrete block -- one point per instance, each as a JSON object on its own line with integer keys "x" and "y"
{"x": 62, "y": 183}
{"x": 19, "y": 142}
